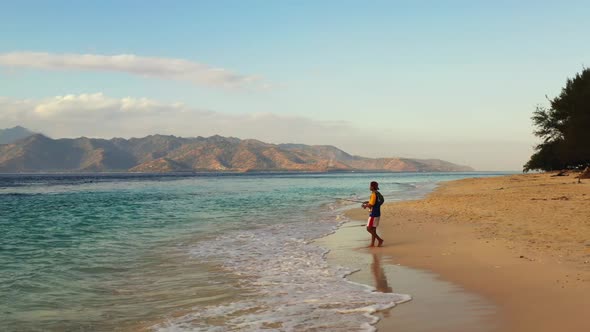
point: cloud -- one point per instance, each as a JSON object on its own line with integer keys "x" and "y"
{"x": 163, "y": 68}
{"x": 98, "y": 115}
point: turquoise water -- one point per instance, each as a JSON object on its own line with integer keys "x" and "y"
{"x": 184, "y": 252}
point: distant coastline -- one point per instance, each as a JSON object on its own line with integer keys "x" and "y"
{"x": 172, "y": 154}
{"x": 229, "y": 173}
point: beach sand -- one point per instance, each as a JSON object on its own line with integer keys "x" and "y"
{"x": 513, "y": 250}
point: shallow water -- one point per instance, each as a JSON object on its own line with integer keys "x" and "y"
{"x": 176, "y": 252}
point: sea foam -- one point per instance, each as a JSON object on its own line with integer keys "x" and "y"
{"x": 288, "y": 284}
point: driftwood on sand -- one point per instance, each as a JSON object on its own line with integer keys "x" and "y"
{"x": 561, "y": 173}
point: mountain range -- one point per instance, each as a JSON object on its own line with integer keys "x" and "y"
{"x": 161, "y": 153}
{"x": 10, "y": 135}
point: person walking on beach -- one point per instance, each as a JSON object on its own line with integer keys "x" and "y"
{"x": 374, "y": 206}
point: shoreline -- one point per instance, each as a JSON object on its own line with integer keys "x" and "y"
{"x": 519, "y": 241}
{"x": 449, "y": 306}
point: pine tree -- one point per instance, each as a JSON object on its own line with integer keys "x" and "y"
{"x": 564, "y": 128}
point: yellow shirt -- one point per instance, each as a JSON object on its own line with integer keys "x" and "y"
{"x": 373, "y": 199}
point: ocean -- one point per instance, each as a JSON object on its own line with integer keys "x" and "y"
{"x": 186, "y": 252}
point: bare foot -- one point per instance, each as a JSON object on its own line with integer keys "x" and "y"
{"x": 380, "y": 243}
{"x": 371, "y": 246}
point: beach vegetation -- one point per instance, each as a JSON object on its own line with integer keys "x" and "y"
{"x": 564, "y": 128}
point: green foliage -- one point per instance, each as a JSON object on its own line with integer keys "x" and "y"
{"x": 564, "y": 128}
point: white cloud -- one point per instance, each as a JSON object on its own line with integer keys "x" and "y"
{"x": 97, "y": 115}
{"x": 164, "y": 68}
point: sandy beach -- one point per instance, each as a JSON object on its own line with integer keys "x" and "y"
{"x": 519, "y": 244}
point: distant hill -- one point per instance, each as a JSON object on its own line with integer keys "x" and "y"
{"x": 11, "y": 135}
{"x": 160, "y": 153}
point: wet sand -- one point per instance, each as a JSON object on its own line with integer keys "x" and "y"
{"x": 515, "y": 250}
{"x": 436, "y": 305}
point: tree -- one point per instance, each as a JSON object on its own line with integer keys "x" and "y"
{"x": 564, "y": 128}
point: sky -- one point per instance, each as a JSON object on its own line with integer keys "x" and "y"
{"x": 453, "y": 80}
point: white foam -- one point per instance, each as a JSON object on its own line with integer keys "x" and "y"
{"x": 290, "y": 285}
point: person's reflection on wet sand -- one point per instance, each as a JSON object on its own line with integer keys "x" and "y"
{"x": 379, "y": 275}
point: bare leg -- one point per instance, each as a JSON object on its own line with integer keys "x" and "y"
{"x": 371, "y": 230}
{"x": 375, "y": 236}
